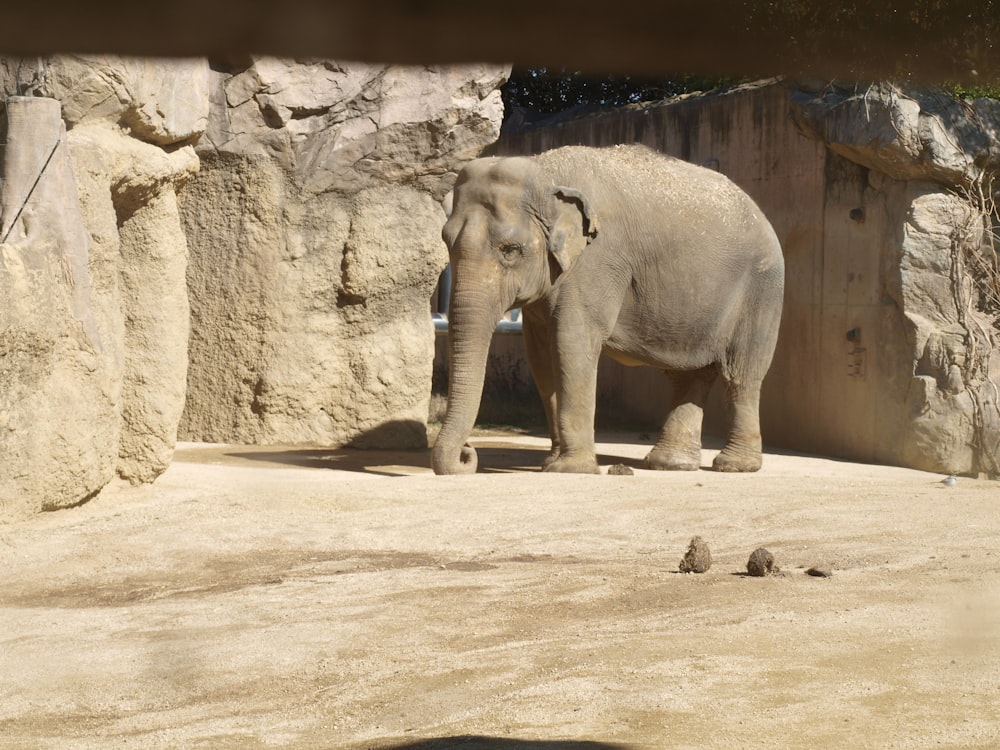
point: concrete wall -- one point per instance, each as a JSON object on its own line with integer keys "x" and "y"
{"x": 749, "y": 136}
{"x": 843, "y": 374}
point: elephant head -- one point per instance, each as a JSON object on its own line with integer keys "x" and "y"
{"x": 511, "y": 234}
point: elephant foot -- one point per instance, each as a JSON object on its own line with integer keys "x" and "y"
{"x": 672, "y": 460}
{"x": 550, "y": 459}
{"x": 730, "y": 459}
{"x": 573, "y": 465}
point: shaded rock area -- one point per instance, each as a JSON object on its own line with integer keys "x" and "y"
{"x": 314, "y": 228}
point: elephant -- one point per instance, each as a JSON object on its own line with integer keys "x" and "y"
{"x": 624, "y": 251}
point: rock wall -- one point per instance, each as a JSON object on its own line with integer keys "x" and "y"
{"x": 276, "y": 224}
{"x": 882, "y": 355}
{"x": 925, "y": 159}
{"x": 314, "y": 228}
{"x": 58, "y": 386}
{"x": 94, "y": 318}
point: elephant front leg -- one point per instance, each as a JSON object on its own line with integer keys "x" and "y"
{"x": 743, "y": 448}
{"x": 538, "y": 350}
{"x": 576, "y": 394}
{"x": 679, "y": 445}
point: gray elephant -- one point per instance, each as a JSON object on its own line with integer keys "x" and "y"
{"x": 626, "y": 251}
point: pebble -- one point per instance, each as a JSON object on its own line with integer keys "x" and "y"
{"x": 620, "y": 470}
{"x": 820, "y": 571}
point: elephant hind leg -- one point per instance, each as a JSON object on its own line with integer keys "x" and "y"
{"x": 749, "y": 358}
{"x": 679, "y": 445}
{"x": 743, "y": 448}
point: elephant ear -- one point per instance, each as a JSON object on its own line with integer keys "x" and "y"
{"x": 573, "y": 226}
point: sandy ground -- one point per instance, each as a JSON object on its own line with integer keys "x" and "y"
{"x": 345, "y": 599}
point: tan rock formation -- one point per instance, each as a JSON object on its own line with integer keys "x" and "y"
{"x": 928, "y": 156}
{"x": 314, "y": 229}
{"x": 133, "y": 184}
{"x": 94, "y": 316}
{"x": 58, "y": 381}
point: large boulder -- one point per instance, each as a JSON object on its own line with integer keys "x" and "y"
{"x": 59, "y": 386}
{"x": 951, "y": 399}
{"x": 912, "y": 134}
{"x": 93, "y": 328}
{"x": 128, "y": 189}
{"x": 314, "y": 232}
{"x": 930, "y": 157}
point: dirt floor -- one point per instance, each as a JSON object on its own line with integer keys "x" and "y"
{"x": 345, "y": 599}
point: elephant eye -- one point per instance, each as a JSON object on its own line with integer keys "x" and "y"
{"x": 511, "y": 252}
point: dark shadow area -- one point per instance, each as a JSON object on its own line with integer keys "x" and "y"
{"x": 853, "y": 40}
{"x": 499, "y": 457}
{"x": 509, "y": 395}
{"x": 399, "y": 447}
{"x": 496, "y": 455}
{"x": 474, "y": 742}
{"x": 379, "y": 462}
{"x": 395, "y": 434}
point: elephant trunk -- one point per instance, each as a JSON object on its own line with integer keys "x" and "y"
{"x": 470, "y": 329}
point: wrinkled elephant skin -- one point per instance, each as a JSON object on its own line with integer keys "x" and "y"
{"x": 625, "y": 251}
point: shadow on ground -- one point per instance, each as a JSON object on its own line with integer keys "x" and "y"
{"x": 499, "y": 454}
{"x": 499, "y": 457}
{"x": 471, "y": 742}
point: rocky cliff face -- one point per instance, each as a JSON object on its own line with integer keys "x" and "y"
{"x": 929, "y": 160}
{"x": 274, "y": 224}
{"x": 95, "y": 315}
{"x": 314, "y": 230}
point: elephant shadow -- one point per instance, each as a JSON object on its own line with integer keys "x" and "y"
{"x": 477, "y": 742}
{"x": 494, "y": 458}
{"x": 497, "y": 455}
{"x": 504, "y": 458}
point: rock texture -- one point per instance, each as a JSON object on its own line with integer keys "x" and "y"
{"x": 58, "y": 384}
{"x": 908, "y": 134}
{"x": 314, "y": 228}
{"x": 95, "y": 312}
{"x": 140, "y": 181}
{"x": 930, "y": 159}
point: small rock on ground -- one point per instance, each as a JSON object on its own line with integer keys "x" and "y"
{"x": 819, "y": 571}
{"x": 620, "y": 470}
{"x": 698, "y": 557}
